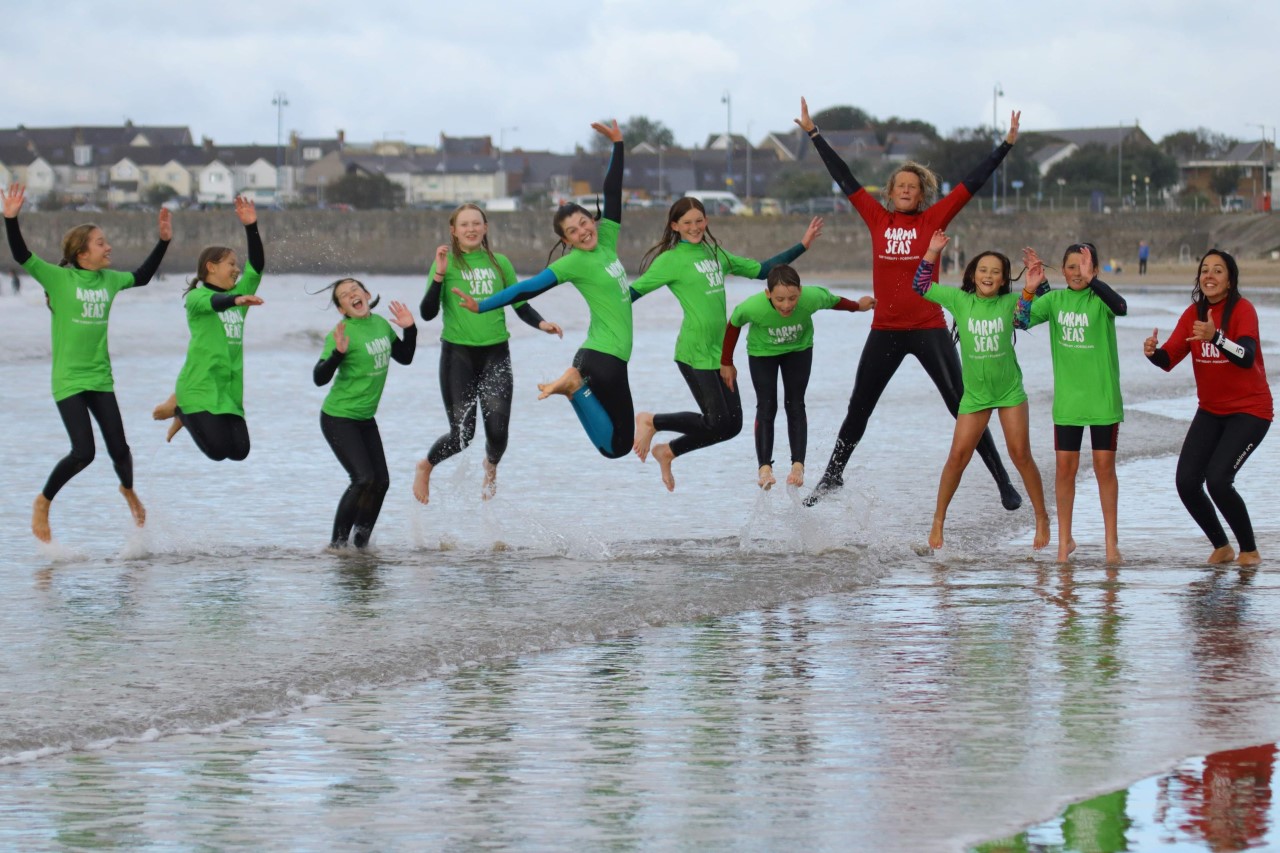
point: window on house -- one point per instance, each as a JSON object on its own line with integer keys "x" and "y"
{"x": 311, "y": 152}
{"x": 82, "y": 155}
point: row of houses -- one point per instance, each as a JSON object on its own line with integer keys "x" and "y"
{"x": 117, "y": 166}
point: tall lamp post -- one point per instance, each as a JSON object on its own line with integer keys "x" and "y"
{"x": 1146, "y": 182}
{"x": 502, "y": 144}
{"x": 279, "y": 102}
{"x": 728, "y": 140}
{"x": 1133, "y": 190}
{"x": 996, "y": 93}
{"x": 1120, "y": 167}
{"x": 1265, "y": 167}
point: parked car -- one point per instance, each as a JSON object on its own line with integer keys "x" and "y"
{"x": 723, "y": 202}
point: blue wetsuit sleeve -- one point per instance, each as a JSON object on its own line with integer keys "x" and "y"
{"x": 529, "y": 315}
{"x": 402, "y": 349}
{"x": 613, "y": 186}
{"x": 17, "y": 245}
{"x": 142, "y": 275}
{"x": 924, "y": 277}
{"x": 1114, "y": 301}
{"x": 257, "y": 257}
{"x": 520, "y": 291}
{"x": 836, "y": 166}
{"x": 326, "y": 367}
{"x": 786, "y": 256}
{"x": 975, "y": 179}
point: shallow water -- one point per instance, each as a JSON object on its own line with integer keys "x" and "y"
{"x": 588, "y": 660}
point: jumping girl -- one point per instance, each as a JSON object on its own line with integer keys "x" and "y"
{"x": 780, "y": 341}
{"x": 210, "y": 398}
{"x": 688, "y": 259}
{"x": 983, "y": 309}
{"x": 475, "y": 360}
{"x": 80, "y": 292}
{"x": 358, "y": 351}
{"x": 904, "y": 324}
{"x": 1086, "y": 381}
{"x": 597, "y": 383}
{"x": 1220, "y": 332}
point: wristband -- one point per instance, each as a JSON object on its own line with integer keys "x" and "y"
{"x": 812, "y": 133}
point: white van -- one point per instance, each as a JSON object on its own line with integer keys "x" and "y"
{"x": 718, "y": 202}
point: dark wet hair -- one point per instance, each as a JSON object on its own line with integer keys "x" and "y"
{"x": 969, "y": 285}
{"x": 671, "y": 238}
{"x": 209, "y": 255}
{"x": 1075, "y": 248}
{"x": 74, "y": 242}
{"x": 457, "y": 253}
{"x": 333, "y": 292}
{"x": 563, "y": 212}
{"x": 1233, "y": 288}
{"x": 783, "y": 275}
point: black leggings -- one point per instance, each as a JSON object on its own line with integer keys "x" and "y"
{"x": 468, "y": 374}
{"x": 606, "y": 378}
{"x": 75, "y": 411}
{"x": 358, "y": 446}
{"x": 218, "y": 436}
{"x": 795, "y": 368}
{"x": 1215, "y": 448}
{"x": 883, "y": 353}
{"x": 721, "y": 412}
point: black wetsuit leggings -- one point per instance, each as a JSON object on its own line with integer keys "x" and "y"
{"x": 606, "y": 377}
{"x": 883, "y": 353}
{"x": 720, "y": 417}
{"x": 358, "y": 446}
{"x": 795, "y": 368}
{"x": 469, "y": 375}
{"x": 219, "y": 437}
{"x": 1215, "y": 448}
{"x": 75, "y": 411}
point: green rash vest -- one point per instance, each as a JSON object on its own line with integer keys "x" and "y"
{"x": 598, "y": 275}
{"x": 773, "y": 334}
{"x": 695, "y": 273}
{"x": 212, "y": 377}
{"x": 1086, "y": 365}
{"x": 362, "y": 373}
{"x": 480, "y": 279}
{"x": 989, "y": 366}
{"x": 81, "y": 303}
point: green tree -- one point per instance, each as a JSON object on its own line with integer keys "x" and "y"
{"x": 1225, "y": 181}
{"x": 843, "y": 117}
{"x": 953, "y": 158}
{"x": 158, "y": 194}
{"x": 792, "y": 183}
{"x": 1199, "y": 144}
{"x": 1097, "y": 167}
{"x": 893, "y": 124}
{"x": 365, "y": 192}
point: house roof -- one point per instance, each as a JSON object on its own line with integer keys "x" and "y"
{"x": 1107, "y": 136}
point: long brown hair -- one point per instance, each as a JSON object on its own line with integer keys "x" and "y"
{"x": 456, "y": 251}
{"x": 671, "y": 238}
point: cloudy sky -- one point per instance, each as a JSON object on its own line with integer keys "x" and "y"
{"x": 536, "y": 74}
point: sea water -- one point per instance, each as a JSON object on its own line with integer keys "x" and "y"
{"x": 587, "y": 660}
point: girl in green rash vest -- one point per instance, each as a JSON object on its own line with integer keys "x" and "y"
{"x": 210, "y": 398}
{"x": 690, "y": 261}
{"x": 79, "y": 293}
{"x": 597, "y": 383}
{"x": 1086, "y": 382}
{"x": 358, "y": 351}
{"x": 475, "y": 360}
{"x": 982, "y": 309}
{"x": 780, "y": 341}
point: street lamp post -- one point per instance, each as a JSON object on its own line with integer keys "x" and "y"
{"x": 1133, "y": 189}
{"x": 502, "y": 144}
{"x": 996, "y": 94}
{"x": 1120, "y": 166}
{"x": 1146, "y": 182}
{"x": 661, "y": 149}
{"x": 1265, "y": 168}
{"x": 728, "y": 139}
{"x": 749, "y": 146}
{"x": 279, "y": 102}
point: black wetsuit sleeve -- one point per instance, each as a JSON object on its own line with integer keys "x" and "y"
{"x": 257, "y": 256}
{"x": 786, "y": 256}
{"x": 1114, "y": 301}
{"x": 613, "y": 186}
{"x": 17, "y": 245}
{"x": 1160, "y": 358}
{"x": 222, "y": 301}
{"x": 975, "y": 179}
{"x": 836, "y": 166}
{"x": 529, "y": 315}
{"x": 430, "y": 306}
{"x": 326, "y": 367}
{"x": 142, "y": 275}
{"x": 402, "y": 349}
{"x": 1240, "y": 353}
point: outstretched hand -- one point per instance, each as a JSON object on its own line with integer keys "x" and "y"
{"x": 466, "y": 300}
{"x": 442, "y": 260}
{"x": 866, "y": 303}
{"x": 246, "y": 211}
{"x": 806, "y": 123}
{"x": 551, "y": 328}
{"x": 937, "y": 243}
{"x": 248, "y": 300}
{"x": 1012, "y": 136}
{"x": 401, "y": 314}
{"x": 13, "y": 199}
{"x": 1203, "y": 330}
{"x": 340, "y": 339}
{"x": 1088, "y": 268}
{"x": 813, "y": 232}
{"x": 1035, "y": 269}
{"x": 1151, "y": 344}
{"x": 610, "y": 130}
{"x": 166, "y": 224}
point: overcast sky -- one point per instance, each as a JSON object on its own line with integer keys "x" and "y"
{"x": 544, "y": 70}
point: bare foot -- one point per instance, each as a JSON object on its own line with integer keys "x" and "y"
{"x": 490, "y": 486}
{"x": 663, "y": 455}
{"x": 568, "y": 384}
{"x": 422, "y": 482}
{"x": 167, "y": 409}
{"x": 1042, "y": 532}
{"x": 1248, "y": 558}
{"x": 796, "y": 477}
{"x": 645, "y": 431}
{"x": 40, "y": 519}
{"x": 175, "y": 426}
{"x": 1113, "y": 557}
{"x": 135, "y": 506}
{"x": 1066, "y": 549}
{"x": 935, "y": 534}
{"x": 1225, "y": 554}
{"x": 766, "y": 478}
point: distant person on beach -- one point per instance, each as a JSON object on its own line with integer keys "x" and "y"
{"x": 1219, "y": 330}
{"x": 475, "y": 359}
{"x": 982, "y": 309}
{"x": 80, "y": 292}
{"x": 688, "y": 259}
{"x": 209, "y": 400}
{"x": 356, "y": 356}
{"x": 596, "y": 384}
{"x": 1086, "y": 382}
{"x": 904, "y": 324}
{"x": 1144, "y": 253}
{"x": 780, "y": 342}
{"x": 16, "y": 281}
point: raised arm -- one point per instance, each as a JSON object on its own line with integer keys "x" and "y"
{"x": 519, "y": 292}
{"x": 924, "y": 273}
{"x": 326, "y": 367}
{"x": 613, "y": 177}
{"x": 248, "y": 215}
{"x": 143, "y": 274}
{"x": 786, "y": 256}
{"x": 430, "y": 305}
{"x": 1035, "y": 280}
{"x": 836, "y": 166}
{"x": 975, "y": 179}
{"x": 402, "y": 349}
{"x": 14, "y": 196}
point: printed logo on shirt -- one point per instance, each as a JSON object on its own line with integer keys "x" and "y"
{"x": 898, "y": 241}
{"x": 619, "y": 273}
{"x": 1073, "y": 325}
{"x": 713, "y": 271}
{"x": 785, "y": 334}
{"x": 483, "y": 281}
{"x": 380, "y": 349}
{"x": 233, "y": 325}
{"x": 986, "y": 334}
{"x": 93, "y": 303}
{"x": 1209, "y": 352}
